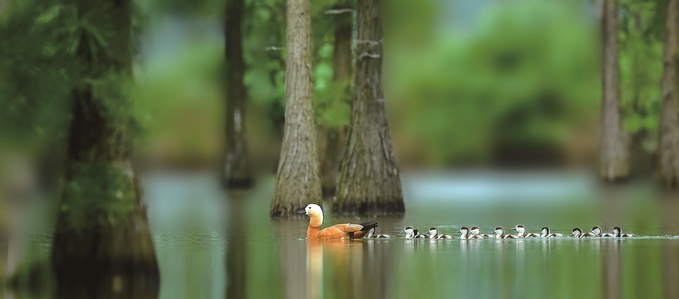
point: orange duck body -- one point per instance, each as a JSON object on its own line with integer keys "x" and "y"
{"x": 338, "y": 231}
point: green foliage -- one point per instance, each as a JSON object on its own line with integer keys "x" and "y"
{"x": 641, "y": 47}
{"x": 97, "y": 193}
{"x": 529, "y": 72}
{"x": 37, "y": 72}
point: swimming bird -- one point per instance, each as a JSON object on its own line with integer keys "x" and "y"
{"x": 596, "y": 231}
{"x": 465, "y": 234}
{"x": 577, "y": 233}
{"x": 418, "y": 236}
{"x": 476, "y": 231}
{"x": 547, "y": 234}
{"x": 410, "y": 232}
{"x": 371, "y": 234}
{"x": 338, "y": 231}
{"x": 434, "y": 234}
{"x": 521, "y": 232}
{"x": 617, "y": 232}
{"x": 500, "y": 234}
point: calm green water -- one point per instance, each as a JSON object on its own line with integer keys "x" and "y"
{"x": 212, "y": 244}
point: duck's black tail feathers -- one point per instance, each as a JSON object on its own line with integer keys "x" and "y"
{"x": 368, "y": 225}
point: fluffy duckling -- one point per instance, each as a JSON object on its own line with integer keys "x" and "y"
{"x": 371, "y": 234}
{"x": 337, "y": 231}
{"x": 410, "y": 232}
{"x": 476, "y": 231}
{"x": 547, "y": 234}
{"x": 500, "y": 234}
{"x": 418, "y": 236}
{"x": 617, "y": 232}
{"x": 596, "y": 231}
{"x": 521, "y": 232}
{"x": 577, "y": 233}
{"x": 464, "y": 233}
{"x": 434, "y": 234}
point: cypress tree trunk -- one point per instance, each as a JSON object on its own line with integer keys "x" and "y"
{"x": 668, "y": 146}
{"x": 236, "y": 164}
{"x": 369, "y": 181}
{"x": 102, "y": 244}
{"x": 334, "y": 142}
{"x": 613, "y": 164}
{"x": 298, "y": 180}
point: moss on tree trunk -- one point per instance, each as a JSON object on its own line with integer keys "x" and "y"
{"x": 369, "y": 181}
{"x": 236, "y": 172}
{"x": 613, "y": 152}
{"x": 102, "y": 244}
{"x": 668, "y": 146}
{"x": 298, "y": 179}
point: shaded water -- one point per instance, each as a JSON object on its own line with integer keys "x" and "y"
{"x": 212, "y": 244}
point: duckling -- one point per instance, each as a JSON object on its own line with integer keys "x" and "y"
{"x": 476, "y": 231}
{"x": 521, "y": 232}
{"x": 464, "y": 233}
{"x": 434, "y": 234}
{"x": 596, "y": 231}
{"x": 500, "y": 234}
{"x": 617, "y": 232}
{"x": 418, "y": 236}
{"x": 410, "y": 232}
{"x": 547, "y": 234}
{"x": 337, "y": 231}
{"x": 371, "y": 234}
{"x": 577, "y": 233}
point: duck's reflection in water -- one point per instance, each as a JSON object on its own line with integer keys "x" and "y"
{"x": 340, "y": 268}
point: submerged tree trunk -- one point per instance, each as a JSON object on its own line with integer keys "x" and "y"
{"x": 668, "y": 146}
{"x": 236, "y": 164}
{"x": 298, "y": 180}
{"x": 369, "y": 181}
{"x": 102, "y": 244}
{"x": 613, "y": 164}
{"x": 334, "y": 136}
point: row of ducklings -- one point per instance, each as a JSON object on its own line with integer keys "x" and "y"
{"x": 475, "y": 233}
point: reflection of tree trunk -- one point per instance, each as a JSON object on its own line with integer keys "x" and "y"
{"x": 236, "y": 256}
{"x": 236, "y": 163}
{"x": 334, "y": 137}
{"x": 613, "y": 151}
{"x": 611, "y": 271}
{"x": 668, "y": 146}
{"x": 102, "y": 244}
{"x": 298, "y": 179}
{"x": 369, "y": 181}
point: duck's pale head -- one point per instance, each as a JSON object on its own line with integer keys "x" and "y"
{"x": 312, "y": 210}
{"x": 617, "y": 231}
{"x": 499, "y": 230}
{"x": 433, "y": 231}
{"x": 475, "y": 230}
{"x": 576, "y": 232}
{"x": 545, "y": 231}
{"x": 520, "y": 229}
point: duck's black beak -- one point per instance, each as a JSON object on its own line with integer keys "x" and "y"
{"x": 514, "y": 228}
{"x": 301, "y": 212}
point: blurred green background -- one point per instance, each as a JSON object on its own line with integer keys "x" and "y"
{"x": 468, "y": 83}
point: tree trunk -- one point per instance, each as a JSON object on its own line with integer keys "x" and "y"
{"x": 102, "y": 244}
{"x": 369, "y": 181}
{"x": 236, "y": 164}
{"x": 668, "y": 146}
{"x": 334, "y": 137}
{"x": 298, "y": 180}
{"x": 613, "y": 150}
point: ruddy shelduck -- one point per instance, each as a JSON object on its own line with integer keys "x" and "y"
{"x": 338, "y": 231}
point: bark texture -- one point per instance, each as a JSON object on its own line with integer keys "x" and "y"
{"x": 236, "y": 163}
{"x": 297, "y": 180}
{"x": 102, "y": 245}
{"x": 369, "y": 181}
{"x": 334, "y": 137}
{"x": 668, "y": 146}
{"x": 613, "y": 156}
